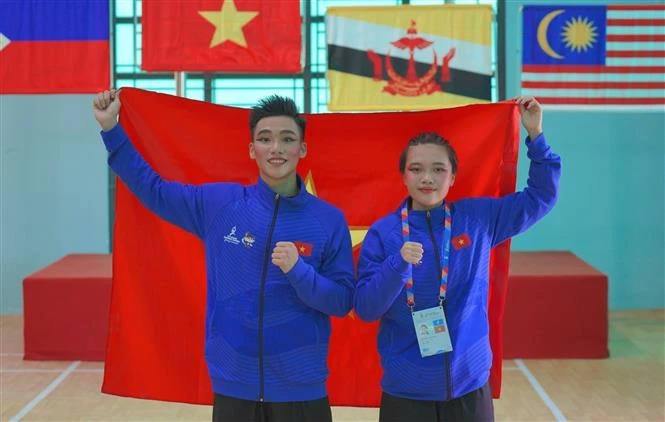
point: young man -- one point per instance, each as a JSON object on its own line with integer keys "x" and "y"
{"x": 267, "y": 320}
{"x": 428, "y": 263}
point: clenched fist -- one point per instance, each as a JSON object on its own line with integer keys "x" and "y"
{"x": 412, "y": 252}
{"x": 106, "y": 106}
{"x": 285, "y": 256}
{"x": 532, "y": 115}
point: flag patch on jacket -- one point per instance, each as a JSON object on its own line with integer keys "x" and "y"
{"x": 304, "y": 248}
{"x": 461, "y": 241}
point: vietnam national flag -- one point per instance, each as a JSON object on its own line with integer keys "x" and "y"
{"x": 222, "y": 35}
{"x": 54, "y": 46}
{"x": 159, "y": 270}
{"x": 304, "y": 248}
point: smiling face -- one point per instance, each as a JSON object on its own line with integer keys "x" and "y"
{"x": 428, "y": 175}
{"x": 277, "y": 146}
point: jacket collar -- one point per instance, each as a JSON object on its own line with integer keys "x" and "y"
{"x": 418, "y": 218}
{"x": 268, "y": 196}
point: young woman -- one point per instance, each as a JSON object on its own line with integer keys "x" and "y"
{"x": 426, "y": 264}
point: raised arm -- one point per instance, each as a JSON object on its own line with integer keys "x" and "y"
{"x": 517, "y": 212}
{"x": 178, "y": 203}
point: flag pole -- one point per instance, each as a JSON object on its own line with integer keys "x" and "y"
{"x": 179, "y": 83}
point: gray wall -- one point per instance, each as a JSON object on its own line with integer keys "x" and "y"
{"x": 53, "y": 186}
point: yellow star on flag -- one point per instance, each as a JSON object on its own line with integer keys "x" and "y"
{"x": 228, "y": 22}
{"x": 357, "y": 233}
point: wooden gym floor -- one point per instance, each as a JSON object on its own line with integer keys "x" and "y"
{"x": 629, "y": 386}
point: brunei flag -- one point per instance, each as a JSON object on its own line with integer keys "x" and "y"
{"x": 408, "y": 57}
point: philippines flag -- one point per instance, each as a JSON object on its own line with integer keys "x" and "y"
{"x": 54, "y": 46}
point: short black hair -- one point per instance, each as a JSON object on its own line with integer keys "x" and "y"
{"x": 428, "y": 138}
{"x": 276, "y": 105}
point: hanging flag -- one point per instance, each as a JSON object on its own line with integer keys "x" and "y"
{"x": 54, "y": 46}
{"x": 408, "y": 57}
{"x": 222, "y": 35}
{"x": 588, "y": 57}
{"x": 156, "y": 331}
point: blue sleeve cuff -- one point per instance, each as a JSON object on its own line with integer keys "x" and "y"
{"x": 537, "y": 148}
{"x": 398, "y": 264}
{"x": 298, "y": 271}
{"x": 114, "y": 138}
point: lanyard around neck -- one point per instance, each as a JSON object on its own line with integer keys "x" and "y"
{"x": 444, "y": 257}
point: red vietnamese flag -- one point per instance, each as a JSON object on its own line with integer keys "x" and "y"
{"x": 461, "y": 241}
{"x": 222, "y": 35}
{"x": 304, "y": 248}
{"x": 159, "y": 269}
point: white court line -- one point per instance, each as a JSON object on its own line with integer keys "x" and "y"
{"x": 558, "y": 415}
{"x": 48, "y": 390}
